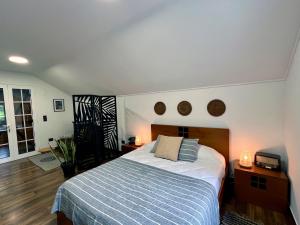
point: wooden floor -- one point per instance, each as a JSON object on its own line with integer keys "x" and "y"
{"x": 256, "y": 213}
{"x": 27, "y": 193}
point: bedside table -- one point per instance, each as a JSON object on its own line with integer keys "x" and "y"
{"x": 262, "y": 187}
{"x": 126, "y": 148}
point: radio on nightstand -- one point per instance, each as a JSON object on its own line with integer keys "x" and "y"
{"x": 267, "y": 160}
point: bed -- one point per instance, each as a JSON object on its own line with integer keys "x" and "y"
{"x": 139, "y": 188}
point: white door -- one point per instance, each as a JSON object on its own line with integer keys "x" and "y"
{"x": 6, "y": 138}
{"x": 16, "y": 123}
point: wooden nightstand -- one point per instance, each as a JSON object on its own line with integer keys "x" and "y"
{"x": 126, "y": 148}
{"x": 262, "y": 187}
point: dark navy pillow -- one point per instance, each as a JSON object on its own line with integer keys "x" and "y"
{"x": 188, "y": 150}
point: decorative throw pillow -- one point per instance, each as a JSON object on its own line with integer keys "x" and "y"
{"x": 188, "y": 150}
{"x": 155, "y": 145}
{"x": 168, "y": 147}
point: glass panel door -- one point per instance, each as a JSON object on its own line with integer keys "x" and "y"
{"x": 22, "y": 105}
{"x": 4, "y": 128}
{"x": 17, "y": 138}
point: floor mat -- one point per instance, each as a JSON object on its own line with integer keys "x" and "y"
{"x": 230, "y": 218}
{"x": 45, "y": 161}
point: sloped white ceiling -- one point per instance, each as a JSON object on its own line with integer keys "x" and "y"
{"x": 132, "y": 46}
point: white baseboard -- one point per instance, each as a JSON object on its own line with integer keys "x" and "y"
{"x": 294, "y": 216}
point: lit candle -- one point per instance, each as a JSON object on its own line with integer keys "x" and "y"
{"x": 245, "y": 159}
{"x": 138, "y": 140}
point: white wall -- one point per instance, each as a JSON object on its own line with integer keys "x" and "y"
{"x": 59, "y": 123}
{"x": 254, "y": 114}
{"x": 292, "y": 132}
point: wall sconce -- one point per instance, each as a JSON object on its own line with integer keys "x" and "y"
{"x": 245, "y": 159}
{"x": 138, "y": 141}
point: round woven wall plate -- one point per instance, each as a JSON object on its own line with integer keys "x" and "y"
{"x": 184, "y": 108}
{"x": 159, "y": 108}
{"x": 216, "y": 107}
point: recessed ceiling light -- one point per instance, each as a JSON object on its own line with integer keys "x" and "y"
{"x": 18, "y": 59}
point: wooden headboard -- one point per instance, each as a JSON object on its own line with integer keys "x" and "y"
{"x": 216, "y": 138}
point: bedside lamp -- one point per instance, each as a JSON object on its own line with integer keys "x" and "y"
{"x": 138, "y": 141}
{"x": 245, "y": 159}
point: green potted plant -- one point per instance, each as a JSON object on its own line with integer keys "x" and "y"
{"x": 67, "y": 149}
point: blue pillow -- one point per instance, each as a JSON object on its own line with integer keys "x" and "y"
{"x": 188, "y": 150}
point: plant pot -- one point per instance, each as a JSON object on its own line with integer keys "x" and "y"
{"x": 68, "y": 169}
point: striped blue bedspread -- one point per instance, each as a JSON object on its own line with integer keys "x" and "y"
{"x": 126, "y": 192}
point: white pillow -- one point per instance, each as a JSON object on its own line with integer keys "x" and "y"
{"x": 149, "y": 145}
{"x": 208, "y": 153}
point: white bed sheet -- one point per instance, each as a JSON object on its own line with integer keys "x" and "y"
{"x": 210, "y": 165}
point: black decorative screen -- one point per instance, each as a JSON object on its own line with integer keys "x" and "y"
{"x": 95, "y": 128}
{"x": 109, "y": 122}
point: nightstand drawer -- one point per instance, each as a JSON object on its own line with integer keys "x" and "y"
{"x": 262, "y": 183}
{"x": 262, "y": 188}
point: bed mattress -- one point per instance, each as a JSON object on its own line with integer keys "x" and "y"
{"x": 139, "y": 188}
{"x": 126, "y": 192}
